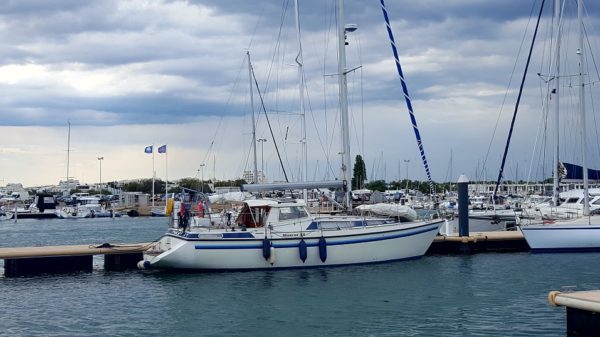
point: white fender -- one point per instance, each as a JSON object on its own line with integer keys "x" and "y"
{"x": 272, "y": 257}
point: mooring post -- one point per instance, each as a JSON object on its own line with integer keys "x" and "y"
{"x": 463, "y": 205}
{"x": 121, "y": 262}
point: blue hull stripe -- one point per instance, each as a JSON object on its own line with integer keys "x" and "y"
{"x": 258, "y": 245}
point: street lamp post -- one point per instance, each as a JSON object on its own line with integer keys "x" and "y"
{"x": 262, "y": 159}
{"x": 406, "y": 161}
{"x": 202, "y": 180}
{"x": 100, "y": 159}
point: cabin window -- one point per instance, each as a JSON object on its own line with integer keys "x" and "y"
{"x": 596, "y": 202}
{"x": 292, "y": 212}
{"x": 253, "y": 216}
{"x": 572, "y": 200}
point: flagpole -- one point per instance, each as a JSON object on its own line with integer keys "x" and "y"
{"x": 153, "y": 175}
{"x": 166, "y": 175}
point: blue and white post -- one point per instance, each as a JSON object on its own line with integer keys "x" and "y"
{"x": 463, "y": 205}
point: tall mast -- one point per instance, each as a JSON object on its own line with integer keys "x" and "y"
{"x": 255, "y": 179}
{"x": 300, "y": 61}
{"x": 153, "y": 175}
{"x": 586, "y": 200}
{"x": 68, "y": 157}
{"x": 166, "y": 177}
{"x": 343, "y": 84}
{"x": 556, "y": 187}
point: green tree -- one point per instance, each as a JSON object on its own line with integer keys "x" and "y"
{"x": 359, "y": 173}
{"x": 376, "y": 185}
{"x": 194, "y": 184}
{"x": 228, "y": 183}
{"x": 144, "y": 186}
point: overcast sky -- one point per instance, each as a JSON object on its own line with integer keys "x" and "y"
{"x": 128, "y": 74}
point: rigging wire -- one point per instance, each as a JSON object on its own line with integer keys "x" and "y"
{"x": 512, "y": 124}
{"x": 544, "y": 99}
{"x": 269, "y": 123}
{"x": 591, "y": 96}
{"x": 508, "y": 88}
{"x": 218, "y": 128}
{"x": 276, "y": 49}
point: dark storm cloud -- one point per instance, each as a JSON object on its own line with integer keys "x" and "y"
{"x": 191, "y": 50}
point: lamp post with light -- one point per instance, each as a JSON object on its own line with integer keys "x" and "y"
{"x": 100, "y": 159}
{"x": 406, "y": 161}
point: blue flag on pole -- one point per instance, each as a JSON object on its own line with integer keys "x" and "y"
{"x": 148, "y": 149}
{"x": 162, "y": 149}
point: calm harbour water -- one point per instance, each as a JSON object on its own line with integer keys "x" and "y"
{"x": 478, "y": 295}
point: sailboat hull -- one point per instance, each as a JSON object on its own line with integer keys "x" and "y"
{"x": 569, "y": 237}
{"x": 211, "y": 250}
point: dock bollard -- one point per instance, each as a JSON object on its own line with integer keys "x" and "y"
{"x": 463, "y": 205}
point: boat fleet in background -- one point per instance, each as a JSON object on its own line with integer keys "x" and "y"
{"x": 46, "y": 206}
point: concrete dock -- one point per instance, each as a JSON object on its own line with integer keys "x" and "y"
{"x": 479, "y": 242}
{"x": 583, "y": 311}
{"x": 21, "y": 261}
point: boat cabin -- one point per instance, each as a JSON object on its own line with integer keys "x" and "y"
{"x": 259, "y": 213}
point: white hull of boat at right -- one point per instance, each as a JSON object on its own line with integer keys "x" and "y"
{"x": 578, "y": 235}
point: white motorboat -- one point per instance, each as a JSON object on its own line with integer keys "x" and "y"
{"x": 87, "y": 207}
{"x": 269, "y": 234}
{"x": 571, "y": 205}
{"x": 44, "y": 207}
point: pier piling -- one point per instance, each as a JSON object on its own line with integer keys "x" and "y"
{"x": 47, "y": 265}
{"x": 121, "y": 262}
{"x": 463, "y": 210}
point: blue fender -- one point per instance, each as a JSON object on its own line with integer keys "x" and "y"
{"x": 323, "y": 249}
{"x": 266, "y": 248}
{"x": 302, "y": 250}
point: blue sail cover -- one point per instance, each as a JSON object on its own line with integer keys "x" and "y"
{"x": 575, "y": 172}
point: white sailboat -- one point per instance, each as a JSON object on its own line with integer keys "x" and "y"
{"x": 580, "y": 233}
{"x": 275, "y": 234}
